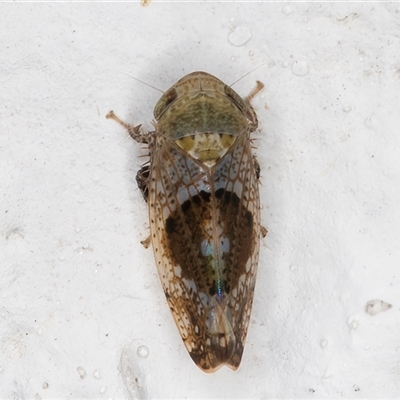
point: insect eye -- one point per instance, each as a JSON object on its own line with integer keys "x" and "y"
{"x": 236, "y": 99}
{"x": 168, "y": 97}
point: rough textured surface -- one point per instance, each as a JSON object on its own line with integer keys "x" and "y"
{"x": 79, "y": 294}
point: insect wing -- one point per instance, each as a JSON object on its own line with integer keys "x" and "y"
{"x": 205, "y": 235}
{"x": 239, "y": 214}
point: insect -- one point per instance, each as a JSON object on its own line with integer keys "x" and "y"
{"x": 201, "y": 186}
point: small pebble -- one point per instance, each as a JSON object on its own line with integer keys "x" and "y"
{"x": 374, "y": 307}
{"x": 96, "y": 374}
{"x": 352, "y": 324}
{"x": 81, "y": 372}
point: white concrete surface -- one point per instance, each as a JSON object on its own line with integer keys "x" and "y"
{"x": 79, "y": 295}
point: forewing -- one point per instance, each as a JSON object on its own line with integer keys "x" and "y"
{"x": 175, "y": 184}
{"x": 236, "y": 188}
{"x": 205, "y": 229}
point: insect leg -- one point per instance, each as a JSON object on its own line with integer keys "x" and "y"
{"x": 251, "y": 115}
{"x": 257, "y": 168}
{"x": 135, "y": 132}
{"x": 147, "y": 242}
{"x": 142, "y": 178}
{"x": 255, "y": 91}
{"x": 264, "y": 231}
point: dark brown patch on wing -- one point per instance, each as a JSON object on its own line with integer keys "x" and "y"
{"x": 238, "y": 222}
{"x": 209, "y": 292}
{"x": 185, "y": 246}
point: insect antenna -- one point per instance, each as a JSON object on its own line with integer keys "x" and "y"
{"x": 144, "y": 83}
{"x": 248, "y": 73}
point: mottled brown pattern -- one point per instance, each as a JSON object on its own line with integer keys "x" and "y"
{"x": 185, "y": 230}
{"x": 185, "y": 248}
{"x": 238, "y": 223}
{"x": 204, "y": 217}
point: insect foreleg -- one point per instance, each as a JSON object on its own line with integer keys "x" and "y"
{"x": 254, "y": 92}
{"x": 135, "y": 132}
{"x": 251, "y": 115}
